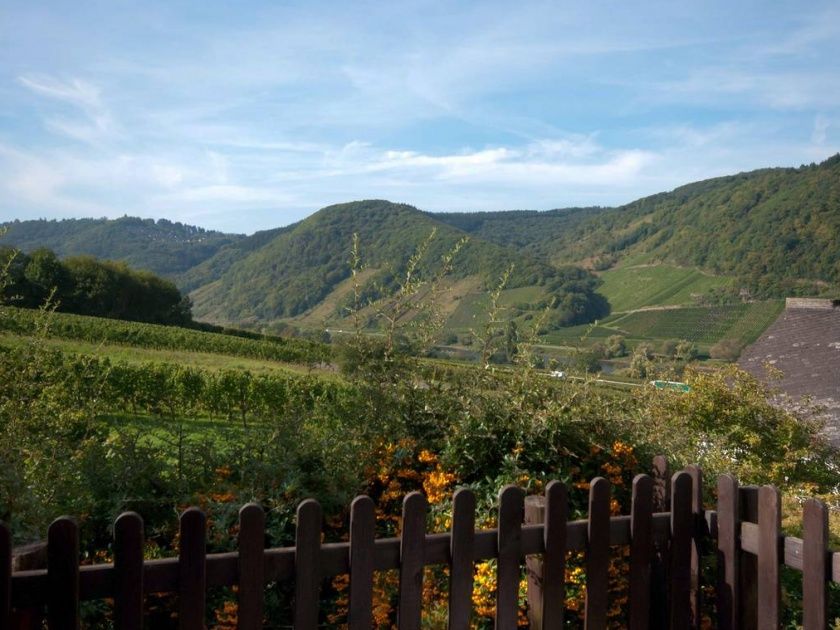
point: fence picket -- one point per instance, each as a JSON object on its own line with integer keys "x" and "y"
{"x": 748, "y": 563}
{"x": 814, "y": 574}
{"x": 511, "y": 513}
{"x": 728, "y": 553}
{"x": 128, "y": 571}
{"x": 641, "y": 551}
{"x": 680, "y": 552}
{"x": 598, "y": 554}
{"x": 5, "y": 576}
{"x": 461, "y": 554}
{"x": 658, "y": 569}
{"x": 307, "y": 572}
{"x": 251, "y": 595}
{"x": 698, "y": 535}
{"x": 362, "y": 535}
{"x": 411, "y": 561}
{"x": 769, "y": 531}
{"x": 63, "y": 574}
{"x": 554, "y": 559}
{"x": 192, "y": 570}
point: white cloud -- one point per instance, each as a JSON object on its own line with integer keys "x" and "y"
{"x": 820, "y": 133}
{"x": 85, "y": 97}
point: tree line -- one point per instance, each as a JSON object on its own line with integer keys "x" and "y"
{"x": 88, "y": 286}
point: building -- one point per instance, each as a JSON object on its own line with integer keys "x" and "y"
{"x": 804, "y": 344}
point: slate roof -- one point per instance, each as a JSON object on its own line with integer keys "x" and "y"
{"x": 804, "y": 343}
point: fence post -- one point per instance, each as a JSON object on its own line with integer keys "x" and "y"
{"x": 307, "y": 563}
{"x": 192, "y": 569}
{"x": 461, "y": 558}
{"x": 748, "y": 563}
{"x": 641, "y": 551}
{"x": 5, "y": 576}
{"x": 128, "y": 571}
{"x": 362, "y": 542}
{"x": 251, "y": 567}
{"x": 554, "y": 559}
{"x": 509, "y": 544}
{"x": 598, "y": 554}
{"x": 535, "y": 515}
{"x": 698, "y": 536}
{"x": 769, "y": 557}
{"x": 682, "y": 526}
{"x": 728, "y": 553}
{"x": 659, "y": 562}
{"x": 63, "y": 574}
{"x": 814, "y": 573}
{"x": 412, "y": 552}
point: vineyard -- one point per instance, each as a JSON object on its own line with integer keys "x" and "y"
{"x": 629, "y": 288}
{"x": 705, "y": 325}
{"x": 98, "y": 330}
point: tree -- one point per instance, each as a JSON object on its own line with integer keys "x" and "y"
{"x": 685, "y": 351}
{"x": 616, "y": 346}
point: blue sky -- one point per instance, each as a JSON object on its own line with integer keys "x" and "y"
{"x": 248, "y": 115}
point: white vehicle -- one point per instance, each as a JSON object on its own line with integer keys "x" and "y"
{"x": 557, "y": 374}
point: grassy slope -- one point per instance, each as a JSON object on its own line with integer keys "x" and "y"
{"x": 629, "y": 288}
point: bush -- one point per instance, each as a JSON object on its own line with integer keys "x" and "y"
{"x": 726, "y": 350}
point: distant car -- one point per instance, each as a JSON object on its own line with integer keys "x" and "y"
{"x": 557, "y": 374}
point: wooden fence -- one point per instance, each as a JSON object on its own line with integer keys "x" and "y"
{"x": 668, "y": 532}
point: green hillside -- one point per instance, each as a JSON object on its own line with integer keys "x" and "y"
{"x": 776, "y": 230}
{"x": 535, "y": 233}
{"x": 160, "y": 246}
{"x": 629, "y": 288}
{"x": 301, "y": 266}
{"x": 773, "y": 230}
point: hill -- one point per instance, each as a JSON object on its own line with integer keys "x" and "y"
{"x": 161, "y": 246}
{"x": 533, "y": 232}
{"x": 299, "y": 267}
{"x": 774, "y": 230}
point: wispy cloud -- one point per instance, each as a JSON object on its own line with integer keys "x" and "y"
{"x": 96, "y": 122}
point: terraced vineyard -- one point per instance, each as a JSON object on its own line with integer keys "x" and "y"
{"x": 630, "y": 288}
{"x": 702, "y": 325}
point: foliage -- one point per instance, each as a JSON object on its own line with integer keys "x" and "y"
{"x": 726, "y": 350}
{"x": 727, "y": 423}
{"x": 163, "y": 247}
{"x": 88, "y": 286}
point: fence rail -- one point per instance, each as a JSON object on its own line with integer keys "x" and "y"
{"x": 667, "y": 532}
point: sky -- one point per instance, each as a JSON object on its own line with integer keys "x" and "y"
{"x": 241, "y": 116}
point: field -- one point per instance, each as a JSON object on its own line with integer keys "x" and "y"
{"x": 704, "y": 326}
{"x": 630, "y": 288}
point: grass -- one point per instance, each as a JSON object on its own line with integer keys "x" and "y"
{"x": 629, "y": 288}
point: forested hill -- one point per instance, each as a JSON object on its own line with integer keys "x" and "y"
{"x": 775, "y": 229}
{"x": 530, "y": 231}
{"x": 302, "y": 265}
{"x": 160, "y": 246}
